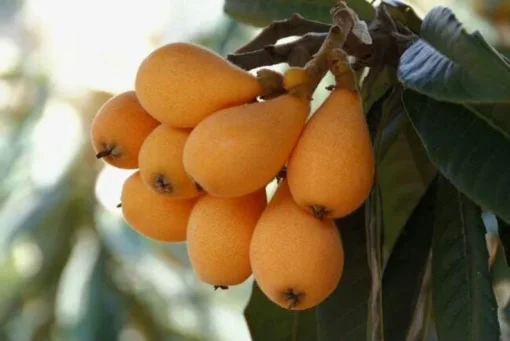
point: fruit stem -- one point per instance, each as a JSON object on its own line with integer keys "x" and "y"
{"x": 271, "y": 82}
{"x": 344, "y": 20}
{"x": 345, "y": 77}
{"x": 119, "y": 205}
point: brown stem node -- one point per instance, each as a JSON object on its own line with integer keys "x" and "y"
{"x": 271, "y": 82}
{"x": 345, "y": 77}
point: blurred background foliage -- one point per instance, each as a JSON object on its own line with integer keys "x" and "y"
{"x": 70, "y": 268}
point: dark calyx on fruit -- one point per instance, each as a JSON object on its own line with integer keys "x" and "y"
{"x": 162, "y": 184}
{"x": 319, "y": 212}
{"x": 222, "y": 287}
{"x": 292, "y": 297}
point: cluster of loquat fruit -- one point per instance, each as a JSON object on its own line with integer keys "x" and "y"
{"x": 205, "y": 146}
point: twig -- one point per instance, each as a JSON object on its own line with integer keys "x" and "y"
{"x": 296, "y": 25}
{"x": 344, "y": 21}
{"x": 379, "y": 44}
{"x": 296, "y": 53}
{"x": 356, "y": 40}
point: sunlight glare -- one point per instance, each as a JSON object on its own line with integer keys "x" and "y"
{"x": 131, "y": 334}
{"x": 10, "y": 55}
{"x": 56, "y": 139}
{"x": 109, "y": 187}
{"x": 28, "y": 258}
{"x": 183, "y": 315}
{"x": 6, "y": 93}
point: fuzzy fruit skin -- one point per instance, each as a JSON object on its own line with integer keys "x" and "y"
{"x": 238, "y": 150}
{"x": 219, "y": 235}
{"x": 161, "y": 154}
{"x": 182, "y": 83}
{"x": 291, "y": 249}
{"x": 333, "y": 163}
{"x": 152, "y": 215}
{"x": 121, "y": 122}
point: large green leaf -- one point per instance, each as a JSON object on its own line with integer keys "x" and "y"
{"x": 263, "y": 12}
{"x": 405, "y": 269}
{"x": 465, "y": 308}
{"x": 467, "y": 150}
{"x": 496, "y": 114}
{"x": 451, "y": 65}
{"x": 404, "y": 168}
{"x": 269, "y": 322}
{"x": 343, "y": 315}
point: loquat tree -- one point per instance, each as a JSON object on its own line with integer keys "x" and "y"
{"x": 390, "y": 216}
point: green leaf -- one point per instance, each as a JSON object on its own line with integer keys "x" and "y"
{"x": 263, "y": 12}
{"x": 496, "y": 115}
{"x": 467, "y": 150}
{"x": 404, "y": 13}
{"x": 465, "y": 308}
{"x": 374, "y": 231}
{"x": 343, "y": 315}
{"x": 451, "y": 65}
{"x": 376, "y": 84}
{"x": 269, "y": 322}
{"x": 404, "y": 168}
{"x": 405, "y": 269}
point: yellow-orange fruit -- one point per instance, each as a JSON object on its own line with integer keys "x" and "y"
{"x": 160, "y": 162}
{"x": 219, "y": 235}
{"x": 182, "y": 83}
{"x": 153, "y": 215}
{"x": 118, "y": 130}
{"x": 297, "y": 260}
{"x": 331, "y": 170}
{"x": 238, "y": 150}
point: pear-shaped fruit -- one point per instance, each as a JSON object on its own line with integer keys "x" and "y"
{"x": 297, "y": 259}
{"x": 118, "y": 130}
{"x": 238, "y": 150}
{"x": 219, "y": 235}
{"x": 153, "y": 215}
{"x": 161, "y": 165}
{"x": 182, "y": 83}
{"x": 331, "y": 170}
